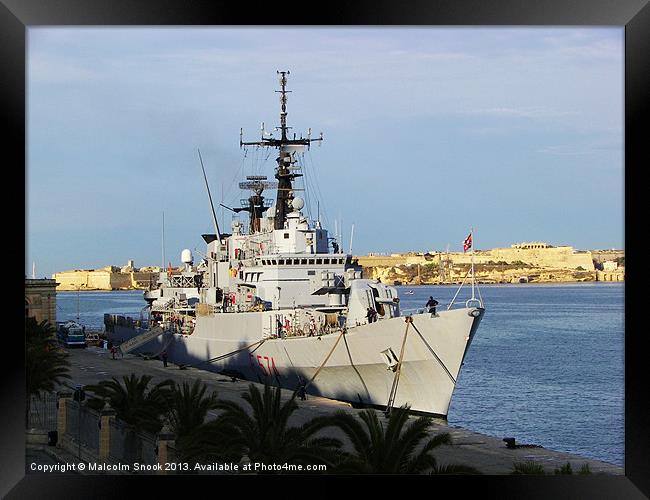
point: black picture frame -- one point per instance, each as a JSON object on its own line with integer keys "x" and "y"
{"x": 18, "y": 15}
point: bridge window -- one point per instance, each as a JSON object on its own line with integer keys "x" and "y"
{"x": 319, "y": 261}
{"x": 311, "y": 262}
{"x": 303, "y": 262}
{"x": 286, "y": 236}
{"x": 326, "y": 261}
{"x": 281, "y": 262}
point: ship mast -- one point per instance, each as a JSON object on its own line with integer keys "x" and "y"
{"x": 286, "y": 146}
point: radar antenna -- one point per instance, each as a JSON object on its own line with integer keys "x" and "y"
{"x": 256, "y": 203}
{"x": 284, "y": 172}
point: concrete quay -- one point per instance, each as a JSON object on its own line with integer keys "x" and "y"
{"x": 486, "y": 453}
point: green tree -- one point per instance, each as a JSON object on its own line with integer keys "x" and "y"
{"x": 396, "y": 448}
{"x": 46, "y": 367}
{"x": 262, "y": 433}
{"x": 134, "y": 401}
{"x": 188, "y": 408}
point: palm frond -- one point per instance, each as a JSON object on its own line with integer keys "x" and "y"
{"x": 455, "y": 469}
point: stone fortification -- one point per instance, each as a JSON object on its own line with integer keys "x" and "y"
{"x": 522, "y": 262}
{"x": 562, "y": 257}
{"x": 107, "y": 278}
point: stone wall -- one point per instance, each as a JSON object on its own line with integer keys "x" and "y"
{"x": 564, "y": 257}
{"x": 83, "y": 280}
{"x": 605, "y": 255}
{"x": 556, "y": 257}
{"x": 103, "y": 279}
{"x": 108, "y": 444}
{"x": 525, "y": 263}
{"x": 40, "y": 299}
{"x": 617, "y": 275}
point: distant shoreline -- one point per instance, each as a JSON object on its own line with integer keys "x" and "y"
{"x": 537, "y": 283}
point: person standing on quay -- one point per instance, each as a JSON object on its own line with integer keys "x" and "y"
{"x": 164, "y": 358}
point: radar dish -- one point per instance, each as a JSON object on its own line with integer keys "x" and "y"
{"x": 298, "y": 203}
{"x": 186, "y": 256}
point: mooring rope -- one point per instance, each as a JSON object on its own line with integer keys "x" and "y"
{"x": 223, "y": 356}
{"x": 295, "y": 392}
{"x": 326, "y": 358}
{"x": 434, "y": 354}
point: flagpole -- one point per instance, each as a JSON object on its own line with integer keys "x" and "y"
{"x": 472, "y": 241}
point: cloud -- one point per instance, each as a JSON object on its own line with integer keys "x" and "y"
{"x": 530, "y": 112}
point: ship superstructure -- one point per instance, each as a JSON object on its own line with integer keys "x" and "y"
{"x": 277, "y": 300}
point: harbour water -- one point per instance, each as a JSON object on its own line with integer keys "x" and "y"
{"x": 546, "y": 366}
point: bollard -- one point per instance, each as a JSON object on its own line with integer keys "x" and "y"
{"x": 510, "y": 442}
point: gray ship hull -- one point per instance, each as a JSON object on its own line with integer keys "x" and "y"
{"x": 359, "y": 367}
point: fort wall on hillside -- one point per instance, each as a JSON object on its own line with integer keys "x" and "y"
{"x": 564, "y": 257}
{"x": 523, "y": 262}
{"x": 107, "y": 278}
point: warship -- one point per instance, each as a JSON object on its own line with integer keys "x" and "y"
{"x": 278, "y": 301}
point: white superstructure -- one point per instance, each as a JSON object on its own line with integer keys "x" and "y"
{"x": 279, "y": 301}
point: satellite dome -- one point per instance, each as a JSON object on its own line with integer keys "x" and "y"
{"x": 298, "y": 203}
{"x": 186, "y": 256}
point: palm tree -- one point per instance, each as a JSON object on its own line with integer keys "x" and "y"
{"x": 391, "y": 449}
{"x": 134, "y": 401}
{"x": 188, "y": 409}
{"x": 46, "y": 367}
{"x": 189, "y": 406}
{"x": 264, "y": 435}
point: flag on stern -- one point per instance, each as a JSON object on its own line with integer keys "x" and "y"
{"x": 467, "y": 244}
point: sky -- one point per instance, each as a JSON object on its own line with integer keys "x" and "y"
{"x": 428, "y": 133}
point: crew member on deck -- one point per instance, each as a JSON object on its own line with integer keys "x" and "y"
{"x": 432, "y": 306}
